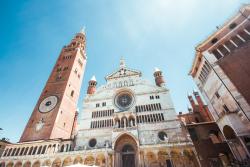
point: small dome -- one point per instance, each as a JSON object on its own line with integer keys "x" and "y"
{"x": 93, "y": 78}
{"x": 157, "y": 69}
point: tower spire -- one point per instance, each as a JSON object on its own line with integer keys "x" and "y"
{"x": 122, "y": 63}
{"x": 83, "y": 30}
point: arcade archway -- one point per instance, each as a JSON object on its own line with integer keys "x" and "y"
{"x": 126, "y": 151}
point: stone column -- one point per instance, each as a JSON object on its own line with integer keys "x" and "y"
{"x": 196, "y": 157}
{"x": 142, "y": 159}
{"x": 113, "y": 160}
{"x": 106, "y": 159}
{"x": 244, "y": 146}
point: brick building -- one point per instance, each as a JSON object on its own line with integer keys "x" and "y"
{"x": 210, "y": 144}
{"x": 222, "y": 73}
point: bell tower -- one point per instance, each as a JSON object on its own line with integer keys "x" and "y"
{"x": 54, "y": 114}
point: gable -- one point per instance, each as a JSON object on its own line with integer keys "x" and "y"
{"x": 123, "y": 72}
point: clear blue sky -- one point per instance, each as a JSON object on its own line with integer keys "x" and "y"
{"x": 147, "y": 33}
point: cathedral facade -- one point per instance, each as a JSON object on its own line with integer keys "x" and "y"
{"x": 128, "y": 122}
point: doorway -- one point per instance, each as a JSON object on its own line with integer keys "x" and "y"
{"x": 128, "y": 156}
{"x": 169, "y": 163}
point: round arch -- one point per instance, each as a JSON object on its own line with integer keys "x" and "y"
{"x": 10, "y": 164}
{"x": 229, "y": 132}
{"x": 89, "y": 160}
{"x": 174, "y": 153}
{"x": 117, "y": 122}
{"x": 131, "y": 121}
{"x": 36, "y": 164}
{"x": 57, "y": 162}
{"x": 163, "y": 156}
{"x": 100, "y": 160}
{"x": 120, "y": 136}
{"x": 126, "y": 150}
{"x": 124, "y": 122}
{"x": 46, "y": 163}
{"x": 27, "y": 164}
{"x": 151, "y": 158}
{"x": 18, "y": 164}
{"x": 67, "y": 161}
{"x": 78, "y": 160}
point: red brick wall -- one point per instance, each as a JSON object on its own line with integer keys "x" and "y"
{"x": 237, "y": 67}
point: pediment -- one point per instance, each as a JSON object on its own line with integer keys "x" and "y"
{"x": 123, "y": 72}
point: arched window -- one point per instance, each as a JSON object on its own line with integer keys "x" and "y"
{"x": 10, "y": 150}
{"x": 120, "y": 84}
{"x": 44, "y": 149}
{"x": 140, "y": 119}
{"x": 131, "y": 83}
{"x": 159, "y": 116}
{"x": 67, "y": 147}
{"x": 22, "y": 151}
{"x": 151, "y": 118}
{"x": 131, "y": 121}
{"x": 39, "y": 150}
{"x": 31, "y": 149}
{"x": 34, "y": 151}
{"x": 154, "y": 117}
{"x": 70, "y": 148}
{"x": 5, "y": 152}
{"x": 140, "y": 108}
{"x": 54, "y": 148}
{"x": 13, "y": 153}
{"x": 62, "y": 148}
{"x": 49, "y": 149}
{"x": 94, "y": 126}
{"x": 26, "y": 150}
{"x": 125, "y": 83}
{"x": 154, "y": 107}
{"x": 162, "y": 116}
{"x": 72, "y": 93}
{"x": 17, "y": 152}
{"x": 148, "y": 118}
{"x": 149, "y": 107}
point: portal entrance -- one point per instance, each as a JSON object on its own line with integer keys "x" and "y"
{"x": 128, "y": 156}
{"x": 126, "y": 152}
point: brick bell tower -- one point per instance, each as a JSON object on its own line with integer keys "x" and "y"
{"x": 54, "y": 114}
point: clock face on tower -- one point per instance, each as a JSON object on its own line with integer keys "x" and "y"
{"x": 48, "y": 104}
